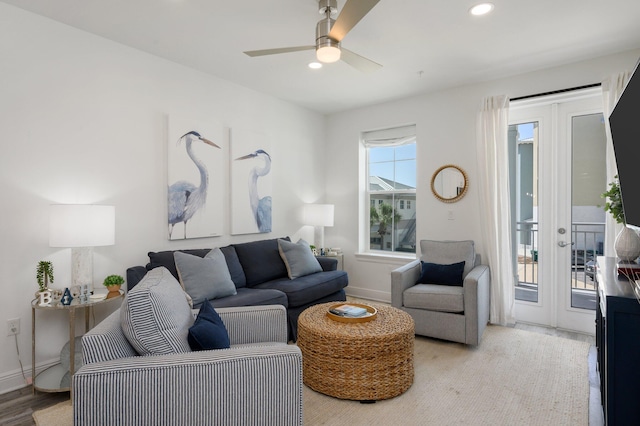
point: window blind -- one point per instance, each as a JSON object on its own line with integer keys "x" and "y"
{"x": 390, "y": 137}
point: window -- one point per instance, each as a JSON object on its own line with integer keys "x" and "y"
{"x": 391, "y": 180}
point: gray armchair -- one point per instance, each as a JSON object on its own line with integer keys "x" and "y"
{"x": 257, "y": 381}
{"x": 450, "y": 312}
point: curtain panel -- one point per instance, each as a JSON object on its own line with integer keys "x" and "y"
{"x": 495, "y": 212}
{"x": 612, "y": 89}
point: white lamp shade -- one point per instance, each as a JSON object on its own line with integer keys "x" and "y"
{"x": 318, "y": 214}
{"x": 81, "y": 225}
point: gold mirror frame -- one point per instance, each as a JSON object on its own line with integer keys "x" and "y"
{"x": 460, "y": 191}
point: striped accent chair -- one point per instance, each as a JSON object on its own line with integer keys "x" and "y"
{"x": 258, "y": 381}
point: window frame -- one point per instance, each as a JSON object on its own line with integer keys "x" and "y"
{"x": 409, "y": 137}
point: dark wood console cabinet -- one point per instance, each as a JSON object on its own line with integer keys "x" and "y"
{"x": 618, "y": 344}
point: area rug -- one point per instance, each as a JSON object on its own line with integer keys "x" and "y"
{"x": 513, "y": 377}
{"x": 60, "y": 414}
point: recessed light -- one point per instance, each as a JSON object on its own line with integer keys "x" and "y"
{"x": 481, "y": 9}
{"x": 315, "y": 65}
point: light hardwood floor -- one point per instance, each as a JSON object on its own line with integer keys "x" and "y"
{"x": 17, "y": 407}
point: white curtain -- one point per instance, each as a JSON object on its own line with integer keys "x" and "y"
{"x": 495, "y": 212}
{"x": 612, "y": 88}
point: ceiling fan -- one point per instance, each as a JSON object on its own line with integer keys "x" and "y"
{"x": 330, "y": 32}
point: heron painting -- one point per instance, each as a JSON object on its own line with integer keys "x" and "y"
{"x": 251, "y": 185}
{"x": 189, "y": 213}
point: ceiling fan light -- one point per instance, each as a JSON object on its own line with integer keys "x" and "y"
{"x": 328, "y": 54}
{"x": 481, "y": 9}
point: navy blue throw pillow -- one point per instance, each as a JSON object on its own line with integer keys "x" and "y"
{"x": 432, "y": 273}
{"x": 208, "y": 331}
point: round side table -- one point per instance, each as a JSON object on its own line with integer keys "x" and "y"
{"x": 364, "y": 361}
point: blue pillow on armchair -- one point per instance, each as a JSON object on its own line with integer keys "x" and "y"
{"x": 208, "y": 331}
{"x": 433, "y": 273}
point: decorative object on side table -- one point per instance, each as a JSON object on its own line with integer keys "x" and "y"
{"x": 66, "y": 297}
{"x": 113, "y": 283}
{"x": 44, "y": 275}
{"x": 627, "y": 245}
{"x": 318, "y": 216}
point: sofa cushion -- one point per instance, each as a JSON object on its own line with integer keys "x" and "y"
{"x": 298, "y": 258}
{"x": 308, "y": 289}
{"x": 155, "y": 316}
{"x": 433, "y": 273}
{"x": 448, "y": 252}
{"x": 261, "y": 261}
{"x": 235, "y": 268}
{"x": 166, "y": 259}
{"x": 250, "y": 297}
{"x": 204, "y": 278}
{"x": 434, "y": 297}
{"x": 208, "y": 331}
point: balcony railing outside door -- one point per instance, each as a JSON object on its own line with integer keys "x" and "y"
{"x": 587, "y": 239}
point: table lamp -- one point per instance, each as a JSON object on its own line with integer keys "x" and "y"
{"x": 81, "y": 227}
{"x": 319, "y": 216}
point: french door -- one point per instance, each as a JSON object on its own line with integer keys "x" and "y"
{"x": 557, "y": 177}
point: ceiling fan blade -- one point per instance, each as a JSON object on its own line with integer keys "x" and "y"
{"x": 359, "y": 62}
{"x": 352, "y": 12}
{"x": 265, "y": 52}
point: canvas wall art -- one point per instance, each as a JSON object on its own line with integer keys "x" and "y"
{"x": 196, "y": 154}
{"x": 251, "y": 203}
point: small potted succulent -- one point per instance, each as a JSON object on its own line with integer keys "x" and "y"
{"x": 44, "y": 275}
{"x": 113, "y": 283}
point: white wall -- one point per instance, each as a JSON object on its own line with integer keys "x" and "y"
{"x": 445, "y": 124}
{"x": 83, "y": 120}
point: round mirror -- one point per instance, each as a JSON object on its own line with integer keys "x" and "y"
{"x": 449, "y": 183}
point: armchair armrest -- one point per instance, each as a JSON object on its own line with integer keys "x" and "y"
{"x": 401, "y": 279}
{"x": 241, "y": 385}
{"x": 477, "y": 301}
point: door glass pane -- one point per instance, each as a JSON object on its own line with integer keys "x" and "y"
{"x": 524, "y": 137}
{"x": 587, "y": 215}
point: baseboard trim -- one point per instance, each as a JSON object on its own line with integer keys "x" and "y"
{"x": 13, "y": 380}
{"x": 365, "y": 293}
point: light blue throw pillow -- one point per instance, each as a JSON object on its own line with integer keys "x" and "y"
{"x": 298, "y": 258}
{"x": 204, "y": 278}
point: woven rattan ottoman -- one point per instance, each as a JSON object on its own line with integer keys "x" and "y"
{"x": 365, "y": 361}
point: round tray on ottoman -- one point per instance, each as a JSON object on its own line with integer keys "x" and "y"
{"x": 363, "y": 361}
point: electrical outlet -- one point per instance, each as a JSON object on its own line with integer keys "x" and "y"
{"x": 13, "y": 326}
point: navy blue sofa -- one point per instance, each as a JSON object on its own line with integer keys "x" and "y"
{"x": 260, "y": 277}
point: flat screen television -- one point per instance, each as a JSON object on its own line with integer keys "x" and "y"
{"x": 625, "y": 133}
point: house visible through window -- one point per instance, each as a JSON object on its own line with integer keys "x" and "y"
{"x": 391, "y": 180}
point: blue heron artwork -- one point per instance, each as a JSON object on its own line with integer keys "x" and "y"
{"x": 251, "y": 185}
{"x": 189, "y": 215}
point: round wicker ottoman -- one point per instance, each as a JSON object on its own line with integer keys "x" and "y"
{"x": 365, "y": 361}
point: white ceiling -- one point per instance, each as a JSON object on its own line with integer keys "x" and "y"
{"x": 424, "y": 45}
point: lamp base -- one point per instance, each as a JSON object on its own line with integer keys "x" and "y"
{"x": 82, "y": 266}
{"x": 318, "y": 238}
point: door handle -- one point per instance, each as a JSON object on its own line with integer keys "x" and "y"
{"x": 564, "y": 244}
